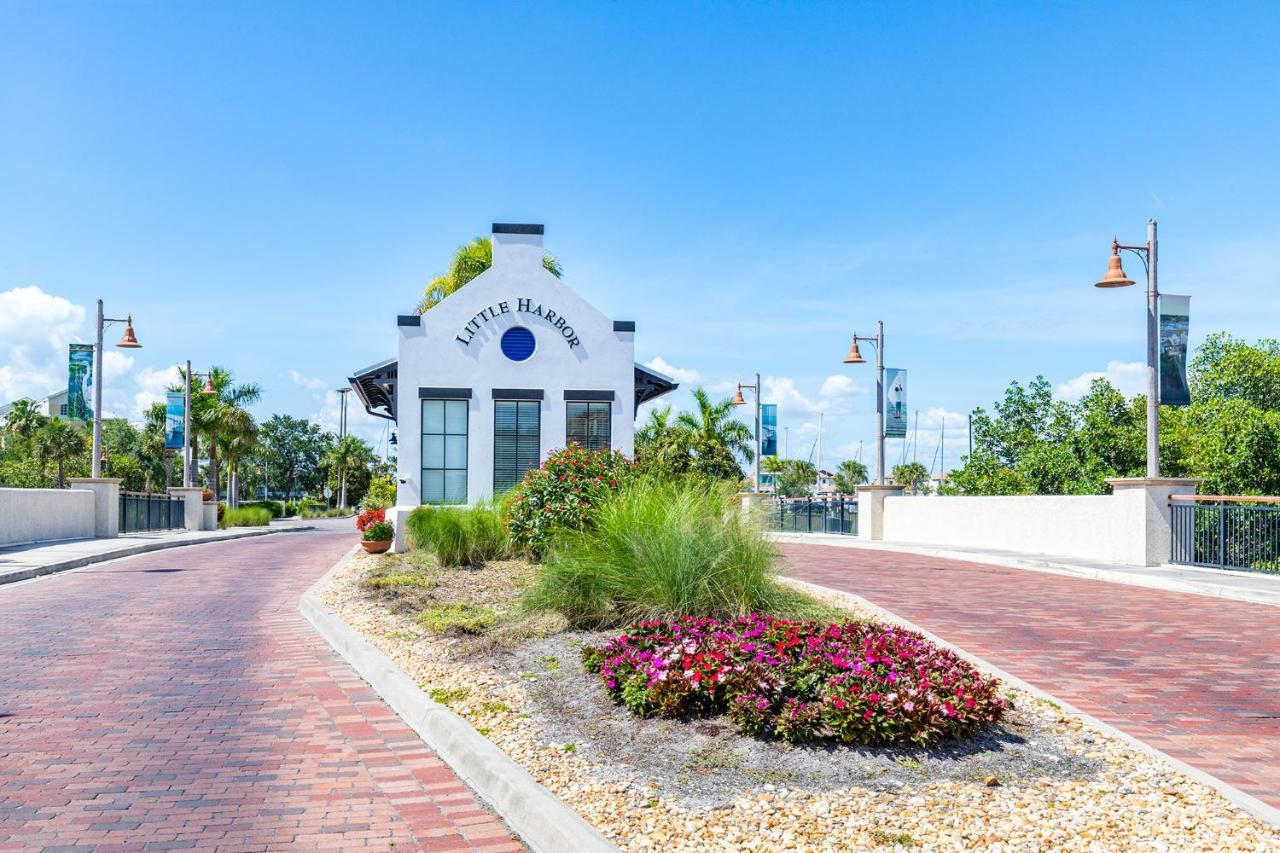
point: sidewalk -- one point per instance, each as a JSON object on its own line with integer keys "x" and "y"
{"x": 1255, "y": 587}
{"x": 23, "y": 562}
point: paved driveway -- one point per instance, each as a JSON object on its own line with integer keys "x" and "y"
{"x": 178, "y": 700}
{"x": 1196, "y": 677}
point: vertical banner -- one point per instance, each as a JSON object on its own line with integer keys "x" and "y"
{"x": 895, "y": 402}
{"x": 1175, "y": 321}
{"x": 79, "y": 382}
{"x": 174, "y": 420}
{"x": 769, "y": 429}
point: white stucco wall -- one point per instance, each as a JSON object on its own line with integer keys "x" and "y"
{"x": 444, "y": 352}
{"x": 38, "y": 515}
{"x": 1111, "y": 528}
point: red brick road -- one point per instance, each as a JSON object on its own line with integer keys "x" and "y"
{"x": 1196, "y": 677}
{"x": 178, "y": 700}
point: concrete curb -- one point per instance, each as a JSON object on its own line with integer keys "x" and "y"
{"x": 543, "y": 822}
{"x": 1247, "y": 802}
{"x": 1041, "y": 564}
{"x": 133, "y": 551}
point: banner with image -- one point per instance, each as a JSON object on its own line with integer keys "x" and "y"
{"x": 769, "y": 429}
{"x": 174, "y": 420}
{"x": 1175, "y": 322}
{"x": 895, "y": 402}
{"x": 79, "y": 382}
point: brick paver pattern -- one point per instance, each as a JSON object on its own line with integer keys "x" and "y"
{"x": 179, "y": 700}
{"x": 1196, "y": 677}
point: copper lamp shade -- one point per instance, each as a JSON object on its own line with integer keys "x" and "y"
{"x": 854, "y": 357}
{"x": 1115, "y": 276}
{"x": 737, "y": 398}
{"x": 129, "y": 341}
{"x": 208, "y": 385}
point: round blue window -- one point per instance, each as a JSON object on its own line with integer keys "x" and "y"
{"x": 517, "y": 343}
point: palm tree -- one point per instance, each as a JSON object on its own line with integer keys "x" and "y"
{"x": 710, "y": 424}
{"x": 219, "y": 412}
{"x": 655, "y": 427}
{"x": 468, "y": 262}
{"x": 348, "y": 454}
{"x": 23, "y": 420}
{"x": 237, "y": 440}
{"x": 59, "y": 442}
{"x": 850, "y": 475}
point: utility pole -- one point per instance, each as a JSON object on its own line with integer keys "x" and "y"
{"x": 817, "y": 484}
{"x": 342, "y": 433}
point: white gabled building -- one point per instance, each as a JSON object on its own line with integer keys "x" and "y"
{"x": 498, "y": 375}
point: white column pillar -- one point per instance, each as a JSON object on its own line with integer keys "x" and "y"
{"x": 1148, "y": 500}
{"x": 106, "y": 503}
{"x": 192, "y": 505}
{"x": 871, "y": 508}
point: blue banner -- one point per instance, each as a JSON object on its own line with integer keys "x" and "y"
{"x": 79, "y": 382}
{"x": 174, "y": 420}
{"x": 1175, "y": 322}
{"x": 895, "y": 402}
{"x": 769, "y": 429}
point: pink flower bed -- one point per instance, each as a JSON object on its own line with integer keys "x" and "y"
{"x": 799, "y": 681}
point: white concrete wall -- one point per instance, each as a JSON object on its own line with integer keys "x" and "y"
{"x": 444, "y": 352}
{"x": 1110, "y": 528}
{"x": 38, "y": 515}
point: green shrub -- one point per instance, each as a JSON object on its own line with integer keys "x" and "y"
{"x": 276, "y": 508}
{"x": 562, "y": 495}
{"x": 246, "y": 516}
{"x": 662, "y": 550}
{"x": 381, "y": 494}
{"x": 459, "y": 536}
{"x": 323, "y": 512}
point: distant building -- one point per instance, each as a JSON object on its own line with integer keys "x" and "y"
{"x": 826, "y": 483}
{"x": 55, "y": 405}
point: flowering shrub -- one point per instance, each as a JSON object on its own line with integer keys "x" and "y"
{"x": 799, "y": 681}
{"x": 562, "y": 494}
{"x": 379, "y": 531}
{"x": 369, "y": 518}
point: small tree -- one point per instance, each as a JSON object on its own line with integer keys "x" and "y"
{"x": 912, "y": 475}
{"x": 850, "y": 475}
{"x": 59, "y": 442}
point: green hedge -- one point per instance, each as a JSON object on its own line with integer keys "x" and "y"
{"x": 246, "y": 516}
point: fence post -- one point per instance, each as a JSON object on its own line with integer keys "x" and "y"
{"x": 1222, "y": 534}
{"x": 106, "y": 504}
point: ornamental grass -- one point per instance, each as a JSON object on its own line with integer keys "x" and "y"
{"x": 460, "y": 536}
{"x": 854, "y": 682}
{"x": 251, "y": 516}
{"x": 661, "y": 550}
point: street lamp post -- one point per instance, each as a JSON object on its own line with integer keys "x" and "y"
{"x": 1115, "y": 277}
{"x": 342, "y": 432}
{"x": 188, "y": 475}
{"x": 739, "y": 401}
{"x": 855, "y": 357}
{"x": 128, "y": 341}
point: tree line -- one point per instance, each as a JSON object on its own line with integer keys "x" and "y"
{"x": 294, "y": 458}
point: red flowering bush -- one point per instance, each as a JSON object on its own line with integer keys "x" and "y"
{"x": 370, "y": 517}
{"x": 799, "y": 681}
{"x": 562, "y": 494}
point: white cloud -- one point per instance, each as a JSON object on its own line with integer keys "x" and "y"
{"x": 311, "y": 383}
{"x": 152, "y": 385}
{"x": 839, "y": 385}
{"x": 1130, "y": 377}
{"x": 685, "y": 376}
{"x": 35, "y": 328}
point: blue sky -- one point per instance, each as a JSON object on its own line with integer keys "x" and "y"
{"x": 264, "y": 186}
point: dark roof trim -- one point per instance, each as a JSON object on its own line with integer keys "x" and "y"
{"x": 375, "y": 386}
{"x": 517, "y": 393}
{"x": 444, "y": 393}
{"x": 512, "y": 228}
{"x": 587, "y": 396}
{"x": 650, "y": 384}
{"x": 409, "y": 320}
{"x": 624, "y": 325}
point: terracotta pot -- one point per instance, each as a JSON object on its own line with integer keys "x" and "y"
{"x": 376, "y": 547}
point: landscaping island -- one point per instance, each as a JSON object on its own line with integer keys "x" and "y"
{"x": 716, "y": 724}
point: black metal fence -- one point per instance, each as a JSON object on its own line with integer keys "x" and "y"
{"x": 141, "y": 511}
{"x": 837, "y": 514}
{"x": 1239, "y": 533}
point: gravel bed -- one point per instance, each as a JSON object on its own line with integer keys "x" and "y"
{"x": 1042, "y": 781}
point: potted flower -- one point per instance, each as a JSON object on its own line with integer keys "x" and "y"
{"x": 377, "y": 537}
